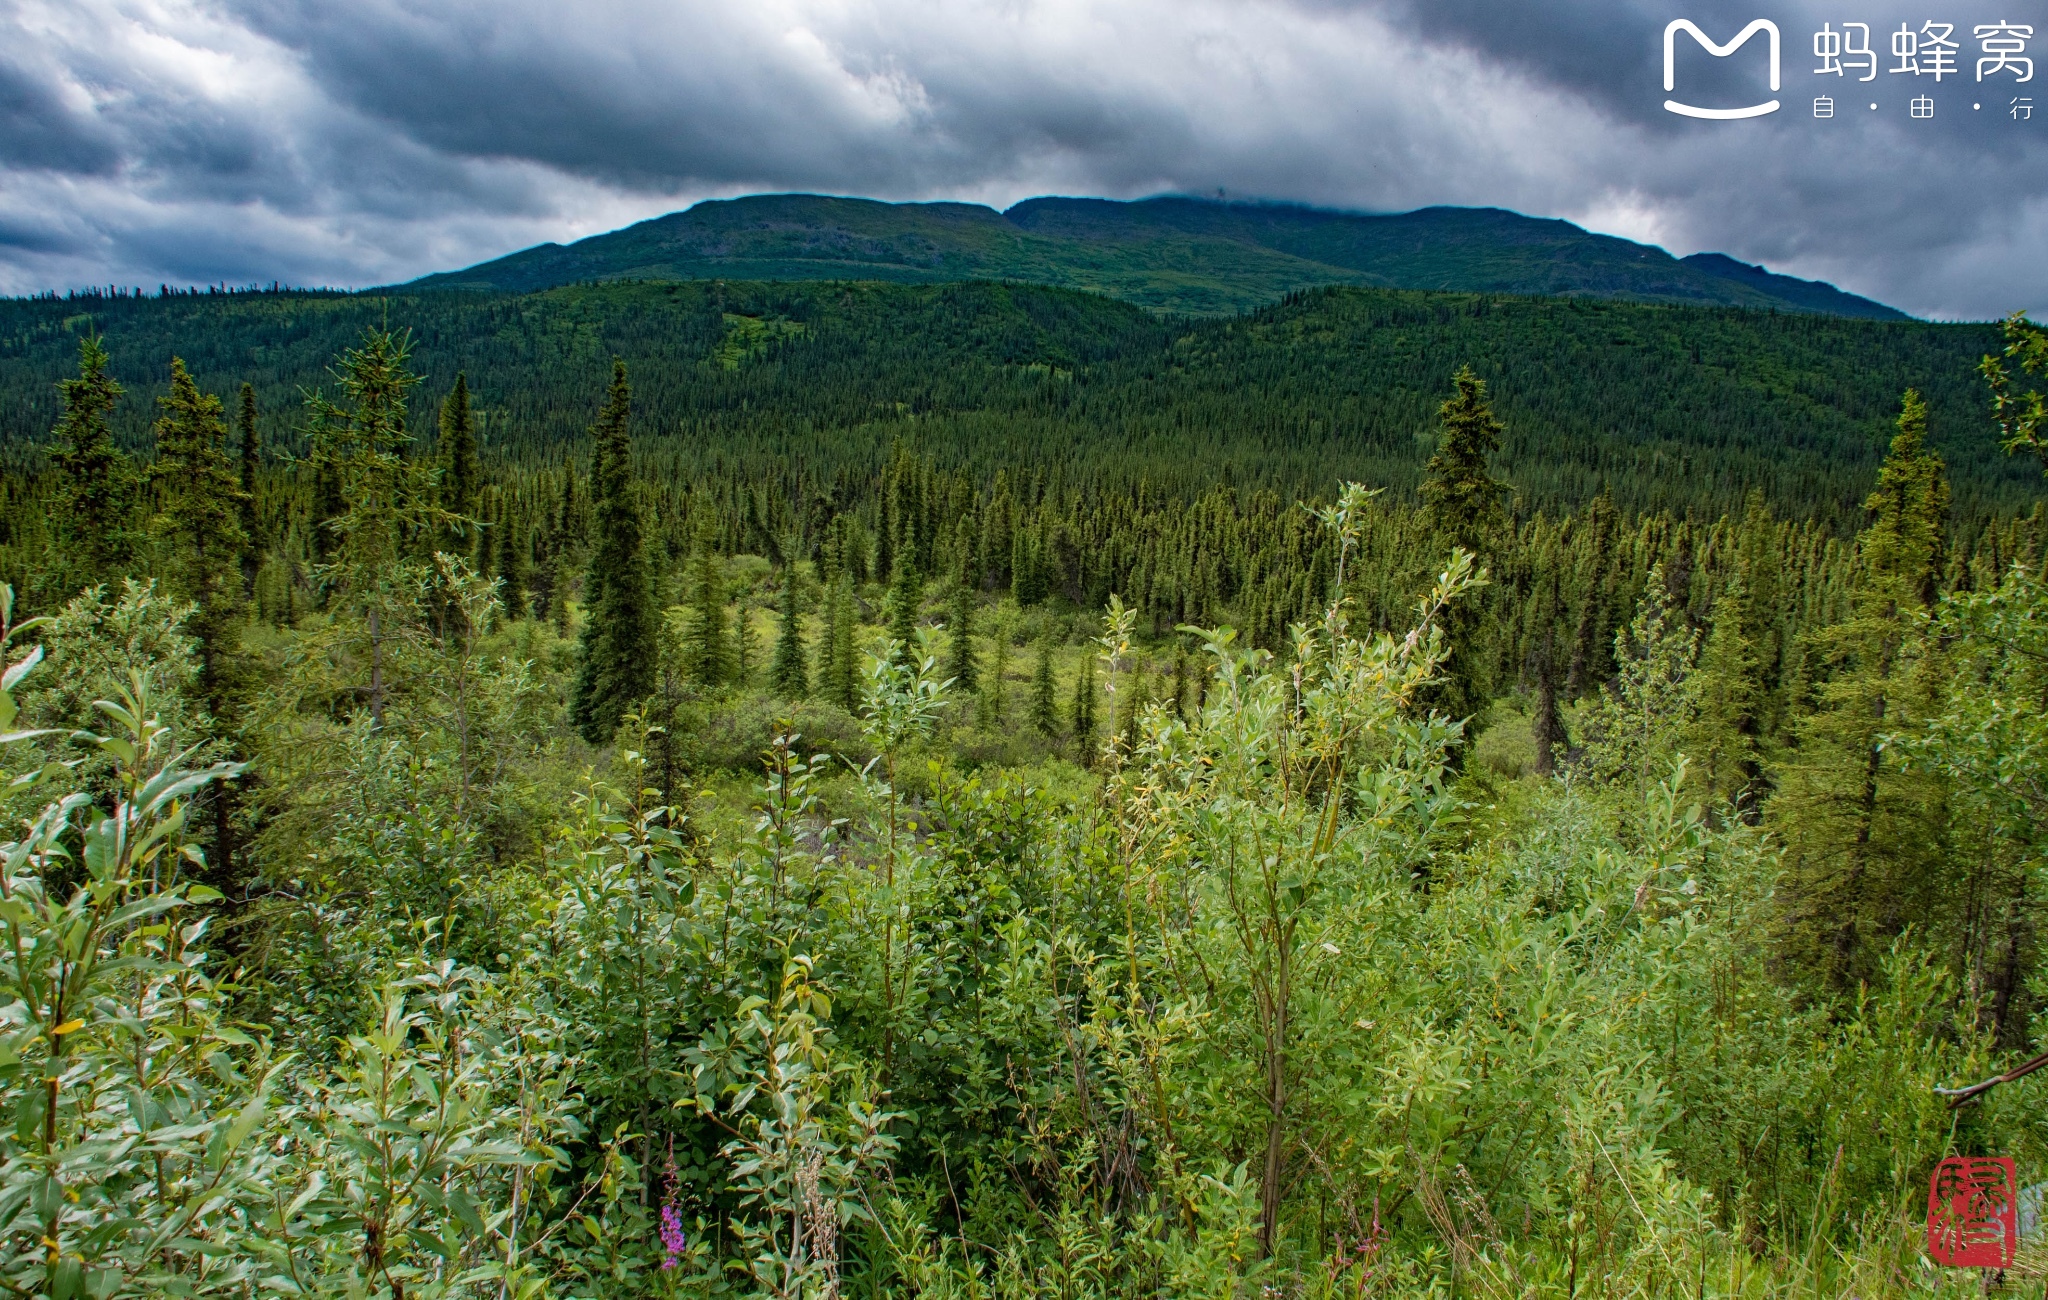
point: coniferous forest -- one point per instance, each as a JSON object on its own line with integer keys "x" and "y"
{"x": 973, "y": 790}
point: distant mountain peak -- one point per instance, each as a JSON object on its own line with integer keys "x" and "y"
{"x": 1171, "y": 252}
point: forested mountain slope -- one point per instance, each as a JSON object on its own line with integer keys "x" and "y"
{"x": 1177, "y": 254}
{"x": 1680, "y": 408}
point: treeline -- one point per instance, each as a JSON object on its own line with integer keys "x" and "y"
{"x": 788, "y": 386}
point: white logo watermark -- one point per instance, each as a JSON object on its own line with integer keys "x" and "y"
{"x": 1691, "y": 29}
{"x": 1847, "y": 51}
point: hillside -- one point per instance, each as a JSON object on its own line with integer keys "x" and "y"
{"x": 1684, "y": 408}
{"x": 1191, "y": 256}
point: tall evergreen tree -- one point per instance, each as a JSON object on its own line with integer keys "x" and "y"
{"x": 1462, "y": 504}
{"x": 546, "y": 584}
{"x": 1758, "y": 566}
{"x": 569, "y": 511}
{"x": 379, "y": 492}
{"x": 1726, "y": 738}
{"x": 711, "y": 655}
{"x": 514, "y": 566}
{"x": 906, "y": 602}
{"x": 746, "y": 646}
{"x": 200, "y": 530}
{"x": 250, "y": 466}
{"x": 1027, "y": 582}
{"x": 98, "y": 482}
{"x": 1546, "y": 725}
{"x": 1044, "y": 706}
{"x": 558, "y": 604}
{"x": 1084, "y": 711}
{"x": 1590, "y": 637}
{"x": 328, "y": 503}
{"x": 1461, "y": 500}
{"x": 1636, "y": 727}
{"x": 1904, "y": 547}
{"x": 961, "y": 662}
{"x": 461, "y": 475}
{"x": 842, "y": 683}
{"x": 790, "y": 674}
{"x": 992, "y": 707}
{"x": 826, "y": 658}
{"x": 1864, "y": 840}
{"x": 617, "y": 650}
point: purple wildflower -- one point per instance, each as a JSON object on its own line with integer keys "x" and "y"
{"x": 672, "y": 1239}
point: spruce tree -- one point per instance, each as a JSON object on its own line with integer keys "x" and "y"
{"x": 1084, "y": 711}
{"x": 546, "y": 585}
{"x": 1759, "y": 566}
{"x": 1546, "y": 724}
{"x": 789, "y": 675}
{"x": 328, "y": 505}
{"x": 251, "y": 464}
{"x": 1590, "y": 637}
{"x": 993, "y": 705}
{"x": 360, "y": 455}
{"x": 1636, "y": 727}
{"x": 826, "y": 658}
{"x": 97, "y": 482}
{"x": 1725, "y": 739}
{"x": 746, "y": 646}
{"x": 961, "y": 663}
{"x": 1864, "y": 840}
{"x": 1904, "y": 547}
{"x": 201, "y": 519}
{"x": 906, "y": 602}
{"x": 617, "y": 649}
{"x": 569, "y": 513}
{"x": 1461, "y": 500}
{"x": 842, "y": 684}
{"x": 514, "y": 569}
{"x": 1462, "y": 504}
{"x": 1027, "y": 587}
{"x": 558, "y": 604}
{"x": 1044, "y": 707}
{"x": 200, "y": 531}
{"x": 710, "y": 653}
{"x": 461, "y": 477}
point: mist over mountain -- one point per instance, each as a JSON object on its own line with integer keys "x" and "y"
{"x": 1180, "y": 254}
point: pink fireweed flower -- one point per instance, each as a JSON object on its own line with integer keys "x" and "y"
{"x": 672, "y": 1239}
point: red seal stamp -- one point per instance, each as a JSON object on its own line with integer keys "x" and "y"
{"x": 1973, "y": 1218}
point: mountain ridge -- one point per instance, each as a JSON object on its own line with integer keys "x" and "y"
{"x": 1182, "y": 254}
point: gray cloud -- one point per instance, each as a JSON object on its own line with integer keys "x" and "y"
{"x": 37, "y": 129}
{"x": 315, "y": 142}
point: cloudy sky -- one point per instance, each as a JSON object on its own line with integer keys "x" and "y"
{"x": 369, "y": 141}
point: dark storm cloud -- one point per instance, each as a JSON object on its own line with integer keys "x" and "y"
{"x": 1596, "y": 48}
{"x": 310, "y": 141}
{"x": 38, "y": 129}
{"x": 655, "y": 97}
